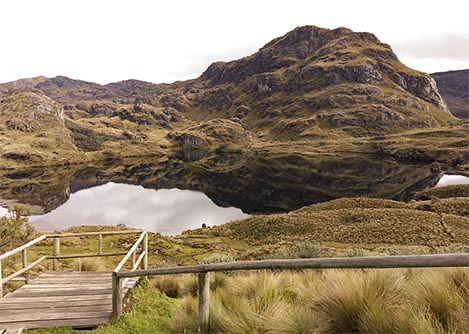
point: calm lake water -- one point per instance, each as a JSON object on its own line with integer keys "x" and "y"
{"x": 447, "y": 180}
{"x": 168, "y": 211}
{"x": 184, "y": 192}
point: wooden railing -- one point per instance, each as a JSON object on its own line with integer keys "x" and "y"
{"x": 117, "y": 281}
{"x": 56, "y": 256}
{"x": 417, "y": 261}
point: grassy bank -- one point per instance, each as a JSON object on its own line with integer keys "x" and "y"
{"x": 327, "y": 301}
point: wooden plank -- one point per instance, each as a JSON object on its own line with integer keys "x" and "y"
{"x": 77, "y": 292}
{"x": 66, "y": 286}
{"x": 6, "y": 314}
{"x": 13, "y": 331}
{"x": 85, "y": 322}
{"x": 57, "y": 304}
{"x": 52, "y": 299}
{"x": 37, "y": 316}
{"x": 77, "y": 273}
{"x": 65, "y": 281}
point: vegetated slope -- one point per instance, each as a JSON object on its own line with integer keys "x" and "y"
{"x": 33, "y": 129}
{"x": 454, "y": 88}
{"x": 309, "y": 85}
{"x": 365, "y": 221}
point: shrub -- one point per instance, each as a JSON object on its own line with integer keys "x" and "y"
{"x": 170, "y": 285}
{"x": 89, "y": 264}
{"x": 15, "y": 229}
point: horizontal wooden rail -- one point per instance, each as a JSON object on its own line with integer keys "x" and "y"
{"x": 25, "y": 269}
{"x": 415, "y": 261}
{"x": 85, "y": 234}
{"x": 19, "y": 249}
{"x": 75, "y": 256}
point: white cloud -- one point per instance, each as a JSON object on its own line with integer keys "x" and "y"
{"x": 162, "y": 41}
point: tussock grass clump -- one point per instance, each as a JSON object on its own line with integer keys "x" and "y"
{"x": 170, "y": 285}
{"x": 436, "y": 293}
{"x": 89, "y": 264}
{"x": 335, "y": 301}
{"x": 365, "y": 303}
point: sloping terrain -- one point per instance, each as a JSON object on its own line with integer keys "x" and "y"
{"x": 357, "y": 221}
{"x": 312, "y": 89}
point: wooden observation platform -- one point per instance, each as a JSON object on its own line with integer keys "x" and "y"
{"x": 67, "y": 298}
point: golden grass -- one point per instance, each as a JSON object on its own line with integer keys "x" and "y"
{"x": 335, "y": 301}
{"x": 89, "y": 264}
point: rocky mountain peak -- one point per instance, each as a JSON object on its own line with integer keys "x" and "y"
{"x": 299, "y": 42}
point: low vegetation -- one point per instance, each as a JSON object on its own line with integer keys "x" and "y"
{"x": 310, "y": 301}
{"x": 331, "y": 301}
{"x": 14, "y": 228}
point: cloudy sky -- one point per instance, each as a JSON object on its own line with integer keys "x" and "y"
{"x": 163, "y": 41}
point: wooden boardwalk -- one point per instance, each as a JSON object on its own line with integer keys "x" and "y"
{"x": 77, "y": 299}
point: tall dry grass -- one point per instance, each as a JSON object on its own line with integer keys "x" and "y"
{"x": 88, "y": 264}
{"x": 334, "y": 301}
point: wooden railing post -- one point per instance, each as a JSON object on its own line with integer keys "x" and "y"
{"x": 133, "y": 258}
{"x": 55, "y": 262}
{"x": 25, "y": 257}
{"x": 100, "y": 244}
{"x": 116, "y": 295}
{"x": 145, "y": 249}
{"x": 1, "y": 280}
{"x": 204, "y": 302}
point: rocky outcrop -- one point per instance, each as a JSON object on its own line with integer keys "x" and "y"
{"x": 213, "y": 132}
{"x": 29, "y": 111}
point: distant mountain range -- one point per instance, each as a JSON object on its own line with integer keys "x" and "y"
{"x": 313, "y": 88}
{"x": 454, "y": 87}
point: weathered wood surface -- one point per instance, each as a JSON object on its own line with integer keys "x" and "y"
{"x": 78, "y": 299}
{"x": 405, "y": 261}
{"x": 11, "y": 331}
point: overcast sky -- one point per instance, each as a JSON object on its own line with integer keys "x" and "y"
{"x": 163, "y": 41}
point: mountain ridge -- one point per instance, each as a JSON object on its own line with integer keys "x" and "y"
{"x": 308, "y": 86}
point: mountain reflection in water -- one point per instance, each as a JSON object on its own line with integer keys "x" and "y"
{"x": 168, "y": 211}
{"x": 190, "y": 183}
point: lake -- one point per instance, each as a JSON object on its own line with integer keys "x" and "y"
{"x": 184, "y": 192}
{"x": 168, "y": 211}
{"x": 447, "y": 180}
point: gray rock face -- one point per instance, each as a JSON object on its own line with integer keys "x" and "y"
{"x": 422, "y": 86}
{"x": 188, "y": 140}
